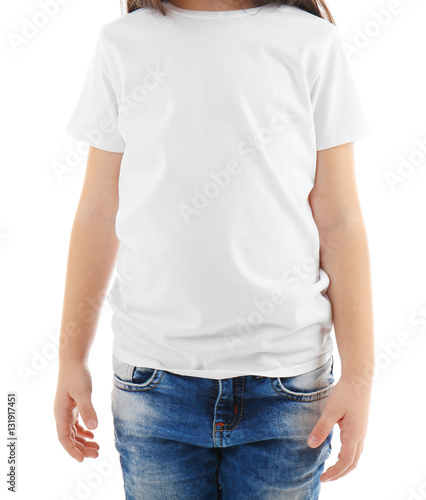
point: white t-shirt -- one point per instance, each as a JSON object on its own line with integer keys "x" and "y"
{"x": 220, "y": 116}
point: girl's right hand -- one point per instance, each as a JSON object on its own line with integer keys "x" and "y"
{"x": 73, "y": 395}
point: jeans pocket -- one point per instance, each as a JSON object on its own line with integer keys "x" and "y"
{"x": 135, "y": 378}
{"x": 307, "y": 387}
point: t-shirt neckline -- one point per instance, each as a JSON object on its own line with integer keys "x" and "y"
{"x": 215, "y": 14}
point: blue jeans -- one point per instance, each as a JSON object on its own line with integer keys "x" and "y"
{"x": 242, "y": 438}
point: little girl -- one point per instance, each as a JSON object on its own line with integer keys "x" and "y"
{"x": 221, "y": 171}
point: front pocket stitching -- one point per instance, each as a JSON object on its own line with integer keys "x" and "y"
{"x": 299, "y": 396}
{"x": 135, "y": 384}
{"x": 119, "y": 383}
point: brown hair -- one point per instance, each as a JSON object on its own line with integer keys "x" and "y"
{"x": 316, "y": 7}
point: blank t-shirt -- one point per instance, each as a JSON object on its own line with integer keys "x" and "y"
{"x": 220, "y": 116}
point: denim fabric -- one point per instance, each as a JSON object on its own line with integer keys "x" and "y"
{"x": 240, "y": 438}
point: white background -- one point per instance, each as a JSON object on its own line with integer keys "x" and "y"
{"x": 39, "y": 90}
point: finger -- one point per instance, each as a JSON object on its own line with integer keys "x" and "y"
{"x": 64, "y": 431}
{"x": 83, "y": 437}
{"x": 83, "y": 432}
{"x": 353, "y": 466}
{"x": 87, "y": 451}
{"x": 322, "y": 428}
{"x": 90, "y": 453}
{"x": 87, "y": 444}
{"x": 346, "y": 458}
{"x": 86, "y": 410}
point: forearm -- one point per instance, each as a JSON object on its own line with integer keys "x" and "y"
{"x": 91, "y": 258}
{"x": 345, "y": 258}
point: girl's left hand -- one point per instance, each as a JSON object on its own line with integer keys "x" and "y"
{"x": 347, "y": 405}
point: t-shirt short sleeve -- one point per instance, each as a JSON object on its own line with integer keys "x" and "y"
{"x": 94, "y": 118}
{"x": 338, "y": 113}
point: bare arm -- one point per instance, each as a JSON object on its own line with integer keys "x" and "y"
{"x": 92, "y": 253}
{"x": 91, "y": 258}
{"x": 345, "y": 257}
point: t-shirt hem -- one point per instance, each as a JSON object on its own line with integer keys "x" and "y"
{"x": 291, "y": 371}
{"x": 109, "y": 146}
{"x": 343, "y": 139}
